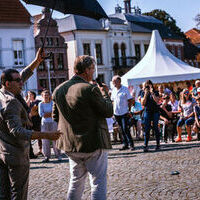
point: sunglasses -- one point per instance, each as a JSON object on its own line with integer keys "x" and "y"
{"x": 18, "y": 80}
{"x": 186, "y": 92}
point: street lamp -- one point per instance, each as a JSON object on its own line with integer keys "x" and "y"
{"x": 48, "y": 60}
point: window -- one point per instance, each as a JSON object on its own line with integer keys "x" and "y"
{"x": 57, "y": 42}
{"x": 173, "y": 50}
{"x": 99, "y": 54}
{"x": 86, "y": 49}
{"x": 43, "y": 83}
{"x": 52, "y": 62}
{"x": 49, "y": 41}
{"x": 61, "y": 80}
{"x": 146, "y": 46}
{"x": 18, "y": 52}
{"x": 123, "y": 53}
{"x": 116, "y": 55}
{"x": 179, "y": 52}
{"x": 41, "y": 66}
{"x": 60, "y": 61}
{"x": 137, "y": 51}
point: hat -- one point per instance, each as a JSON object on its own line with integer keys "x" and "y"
{"x": 197, "y": 81}
{"x": 198, "y": 89}
{"x": 185, "y": 91}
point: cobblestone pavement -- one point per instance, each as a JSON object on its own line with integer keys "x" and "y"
{"x": 132, "y": 175}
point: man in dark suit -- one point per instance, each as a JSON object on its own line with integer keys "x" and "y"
{"x": 14, "y": 137}
{"x": 80, "y": 109}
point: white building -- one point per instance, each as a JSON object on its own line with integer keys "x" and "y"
{"x": 118, "y": 42}
{"x": 17, "y": 46}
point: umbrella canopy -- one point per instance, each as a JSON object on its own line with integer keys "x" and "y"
{"x": 88, "y": 8}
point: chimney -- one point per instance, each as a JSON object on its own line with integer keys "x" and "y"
{"x": 127, "y": 6}
{"x": 118, "y": 9}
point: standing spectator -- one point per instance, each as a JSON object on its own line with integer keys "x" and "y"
{"x": 136, "y": 111}
{"x": 187, "y": 115}
{"x": 175, "y": 112}
{"x": 32, "y": 103}
{"x": 14, "y": 137}
{"x": 197, "y": 117}
{"x": 47, "y": 124}
{"x": 150, "y": 99}
{"x": 122, "y": 101}
{"x": 189, "y": 86}
{"x": 80, "y": 109}
{"x": 166, "y": 117}
{"x": 194, "y": 91}
{"x": 141, "y": 91}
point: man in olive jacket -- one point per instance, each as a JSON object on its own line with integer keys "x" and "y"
{"x": 80, "y": 109}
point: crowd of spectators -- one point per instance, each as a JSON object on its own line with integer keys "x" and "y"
{"x": 157, "y": 111}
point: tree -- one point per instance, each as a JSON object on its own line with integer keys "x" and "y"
{"x": 190, "y": 50}
{"x": 167, "y": 20}
{"x": 197, "y": 20}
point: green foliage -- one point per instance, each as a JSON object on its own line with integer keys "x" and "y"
{"x": 167, "y": 20}
{"x": 197, "y": 20}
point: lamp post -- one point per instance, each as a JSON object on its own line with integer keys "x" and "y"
{"x": 48, "y": 73}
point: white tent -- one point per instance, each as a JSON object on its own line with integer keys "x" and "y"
{"x": 159, "y": 66}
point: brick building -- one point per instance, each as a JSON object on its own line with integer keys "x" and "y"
{"x": 54, "y": 44}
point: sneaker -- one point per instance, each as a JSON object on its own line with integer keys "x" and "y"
{"x": 33, "y": 156}
{"x": 46, "y": 160}
{"x": 157, "y": 148}
{"x": 39, "y": 153}
{"x": 132, "y": 148}
{"x": 189, "y": 139}
{"x": 59, "y": 158}
{"x": 124, "y": 148}
{"x": 178, "y": 139}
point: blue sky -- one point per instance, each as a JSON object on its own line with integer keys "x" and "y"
{"x": 183, "y": 11}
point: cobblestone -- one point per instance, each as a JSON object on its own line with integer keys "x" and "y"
{"x": 132, "y": 175}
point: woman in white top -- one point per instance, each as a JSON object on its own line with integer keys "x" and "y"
{"x": 47, "y": 124}
{"x": 187, "y": 115}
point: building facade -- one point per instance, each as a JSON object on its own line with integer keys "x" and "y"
{"x": 117, "y": 43}
{"x": 17, "y": 47}
{"x": 54, "y": 70}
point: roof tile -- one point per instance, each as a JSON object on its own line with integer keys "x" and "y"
{"x": 12, "y": 11}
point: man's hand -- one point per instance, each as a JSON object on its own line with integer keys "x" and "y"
{"x": 46, "y": 135}
{"x": 166, "y": 121}
{"x": 47, "y": 115}
{"x": 104, "y": 88}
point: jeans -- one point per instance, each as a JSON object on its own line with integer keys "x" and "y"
{"x": 46, "y": 127}
{"x": 185, "y": 121}
{"x": 123, "y": 121}
{"x": 148, "y": 117}
{"x": 94, "y": 164}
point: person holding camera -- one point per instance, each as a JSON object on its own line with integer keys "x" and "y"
{"x": 150, "y": 99}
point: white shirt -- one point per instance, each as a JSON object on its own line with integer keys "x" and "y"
{"x": 120, "y": 98}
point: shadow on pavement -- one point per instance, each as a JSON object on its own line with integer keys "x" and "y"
{"x": 164, "y": 148}
{"x": 41, "y": 167}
